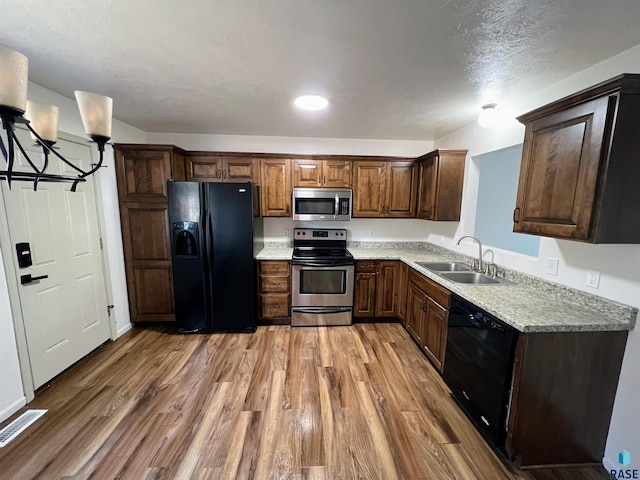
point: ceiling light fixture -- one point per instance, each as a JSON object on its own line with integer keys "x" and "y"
{"x": 488, "y": 115}
{"x": 42, "y": 121}
{"x": 311, "y": 102}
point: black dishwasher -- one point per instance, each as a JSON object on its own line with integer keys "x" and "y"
{"x": 478, "y": 366}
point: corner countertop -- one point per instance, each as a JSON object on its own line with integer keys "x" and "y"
{"x": 531, "y": 305}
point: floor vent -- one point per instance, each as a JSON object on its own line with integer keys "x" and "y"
{"x": 14, "y": 429}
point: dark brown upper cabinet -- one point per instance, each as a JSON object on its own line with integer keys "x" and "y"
{"x": 205, "y": 167}
{"x": 322, "y": 173}
{"x": 440, "y": 185}
{"x": 579, "y": 172}
{"x": 384, "y": 188}
{"x": 276, "y": 187}
{"x": 143, "y": 171}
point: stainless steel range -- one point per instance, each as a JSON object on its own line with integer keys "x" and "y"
{"x": 322, "y": 279}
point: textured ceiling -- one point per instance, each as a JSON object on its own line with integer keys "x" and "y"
{"x": 392, "y": 69}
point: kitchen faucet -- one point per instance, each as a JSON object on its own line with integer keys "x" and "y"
{"x": 480, "y": 266}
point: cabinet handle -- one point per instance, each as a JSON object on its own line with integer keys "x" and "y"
{"x": 219, "y": 173}
{"x": 274, "y": 284}
{"x": 224, "y": 173}
{"x": 287, "y": 209}
{"x": 319, "y": 179}
{"x": 324, "y": 179}
{"x": 274, "y": 306}
{"x": 516, "y": 211}
{"x": 276, "y": 267}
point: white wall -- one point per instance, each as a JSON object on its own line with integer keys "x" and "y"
{"x": 293, "y": 145}
{"x": 619, "y": 264}
{"x": 358, "y": 229}
{"x": 12, "y": 395}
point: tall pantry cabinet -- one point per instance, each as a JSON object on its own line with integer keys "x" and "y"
{"x": 142, "y": 172}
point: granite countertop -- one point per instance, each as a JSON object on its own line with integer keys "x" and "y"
{"x": 531, "y": 305}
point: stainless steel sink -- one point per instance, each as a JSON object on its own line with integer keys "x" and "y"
{"x": 445, "y": 266}
{"x": 474, "y": 278}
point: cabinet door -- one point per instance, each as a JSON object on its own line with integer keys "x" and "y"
{"x": 204, "y": 168}
{"x": 427, "y": 188}
{"x": 387, "y": 288}
{"x": 239, "y": 169}
{"x": 142, "y": 175}
{"x": 369, "y": 192}
{"x": 147, "y": 261}
{"x": 336, "y": 173}
{"x": 364, "y": 295}
{"x": 307, "y": 173}
{"x": 415, "y": 306}
{"x": 402, "y": 281}
{"x": 435, "y": 333}
{"x": 559, "y": 172}
{"x": 401, "y": 189}
{"x": 276, "y": 188}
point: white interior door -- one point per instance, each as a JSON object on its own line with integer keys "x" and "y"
{"x": 65, "y": 314}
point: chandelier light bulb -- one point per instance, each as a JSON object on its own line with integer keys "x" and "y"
{"x": 44, "y": 120}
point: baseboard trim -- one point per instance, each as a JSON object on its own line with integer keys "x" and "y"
{"x": 12, "y": 408}
{"x": 122, "y": 330}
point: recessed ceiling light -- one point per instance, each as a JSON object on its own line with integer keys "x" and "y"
{"x": 488, "y": 116}
{"x": 311, "y": 102}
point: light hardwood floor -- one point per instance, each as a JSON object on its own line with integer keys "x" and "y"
{"x": 283, "y": 403}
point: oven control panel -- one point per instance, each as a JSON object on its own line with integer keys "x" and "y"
{"x": 320, "y": 234}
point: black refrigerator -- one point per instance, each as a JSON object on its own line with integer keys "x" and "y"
{"x": 216, "y": 231}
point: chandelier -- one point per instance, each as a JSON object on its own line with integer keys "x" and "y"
{"x": 42, "y": 122}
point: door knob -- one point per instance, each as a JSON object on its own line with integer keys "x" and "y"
{"x": 25, "y": 279}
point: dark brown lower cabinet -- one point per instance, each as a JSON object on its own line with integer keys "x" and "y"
{"x": 377, "y": 289}
{"x": 403, "y": 286}
{"x": 427, "y": 315}
{"x": 564, "y": 386}
{"x": 274, "y": 292}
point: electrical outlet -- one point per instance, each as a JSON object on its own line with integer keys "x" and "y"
{"x": 552, "y": 266}
{"x": 285, "y": 233}
{"x": 372, "y": 233}
{"x": 593, "y": 279}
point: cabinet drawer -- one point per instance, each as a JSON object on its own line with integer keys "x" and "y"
{"x": 274, "y": 306}
{"x": 366, "y": 266}
{"x": 275, "y": 266}
{"x": 274, "y": 283}
{"x": 437, "y": 293}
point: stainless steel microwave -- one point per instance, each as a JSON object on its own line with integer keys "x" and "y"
{"x": 322, "y": 203}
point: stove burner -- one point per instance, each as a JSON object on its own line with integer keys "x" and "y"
{"x": 321, "y": 246}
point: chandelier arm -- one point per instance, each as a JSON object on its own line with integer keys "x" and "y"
{"x": 96, "y": 167}
{"x": 51, "y": 150}
{"x": 11, "y": 153}
{"x": 3, "y": 149}
{"x": 26, "y": 157}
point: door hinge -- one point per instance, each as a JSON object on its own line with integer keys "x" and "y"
{"x": 109, "y": 308}
{"x": 101, "y": 247}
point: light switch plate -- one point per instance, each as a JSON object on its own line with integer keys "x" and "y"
{"x": 552, "y": 266}
{"x": 285, "y": 233}
{"x": 593, "y": 279}
{"x": 372, "y": 233}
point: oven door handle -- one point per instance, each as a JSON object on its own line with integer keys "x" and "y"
{"x": 321, "y": 309}
{"x": 319, "y": 264}
{"x": 337, "y": 210}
